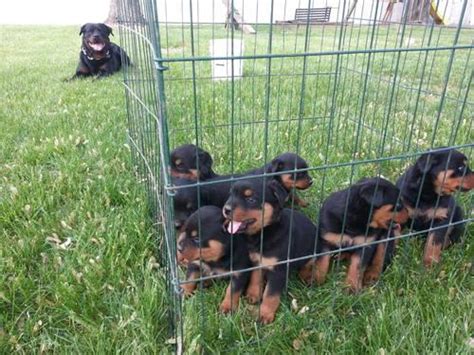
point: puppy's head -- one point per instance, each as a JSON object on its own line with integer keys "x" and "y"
{"x": 251, "y": 206}
{"x": 287, "y": 162}
{"x": 383, "y": 196}
{"x": 190, "y": 162}
{"x": 95, "y": 36}
{"x": 185, "y": 201}
{"x": 203, "y": 236}
{"x": 447, "y": 171}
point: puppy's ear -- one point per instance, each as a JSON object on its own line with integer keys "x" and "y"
{"x": 371, "y": 195}
{"x": 425, "y": 163}
{"x": 278, "y": 191}
{"x": 107, "y": 29}
{"x": 205, "y": 161}
{"x": 83, "y": 29}
{"x": 276, "y": 165}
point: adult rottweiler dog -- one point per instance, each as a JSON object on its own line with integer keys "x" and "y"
{"x": 373, "y": 213}
{"x": 99, "y": 57}
{"x": 206, "y": 248}
{"x": 427, "y": 188}
{"x": 273, "y": 234}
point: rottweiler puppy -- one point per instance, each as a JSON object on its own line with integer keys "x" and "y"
{"x": 373, "y": 207}
{"x": 207, "y": 249}
{"x": 99, "y": 57}
{"x": 427, "y": 188}
{"x": 215, "y": 191}
{"x": 189, "y": 197}
{"x": 191, "y": 162}
{"x": 273, "y": 234}
{"x": 186, "y": 158}
{"x": 299, "y": 180}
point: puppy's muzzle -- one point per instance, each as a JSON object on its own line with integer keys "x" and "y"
{"x": 226, "y": 211}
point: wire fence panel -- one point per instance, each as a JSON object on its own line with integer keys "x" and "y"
{"x": 363, "y": 91}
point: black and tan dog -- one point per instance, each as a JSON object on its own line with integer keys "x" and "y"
{"x": 205, "y": 247}
{"x": 427, "y": 188}
{"x": 99, "y": 57}
{"x": 373, "y": 212}
{"x": 191, "y": 162}
{"x": 216, "y": 189}
{"x": 273, "y": 234}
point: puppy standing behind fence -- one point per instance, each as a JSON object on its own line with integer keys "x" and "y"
{"x": 427, "y": 188}
{"x": 99, "y": 57}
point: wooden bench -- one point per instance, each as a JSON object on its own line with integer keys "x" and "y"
{"x": 313, "y": 15}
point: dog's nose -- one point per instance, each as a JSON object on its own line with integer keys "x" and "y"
{"x": 226, "y": 210}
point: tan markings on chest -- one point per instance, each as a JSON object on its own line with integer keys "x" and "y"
{"x": 267, "y": 262}
{"x": 205, "y": 268}
{"x": 345, "y": 240}
{"x": 214, "y": 252}
{"x": 429, "y": 214}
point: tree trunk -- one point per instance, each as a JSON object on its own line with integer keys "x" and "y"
{"x": 113, "y": 13}
{"x": 131, "y": 12}
{"x": 234, "y": 19}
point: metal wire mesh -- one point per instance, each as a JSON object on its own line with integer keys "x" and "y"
{"x": 363, "y": 94}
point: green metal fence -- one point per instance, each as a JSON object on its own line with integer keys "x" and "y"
{"x": 363, "y": 94}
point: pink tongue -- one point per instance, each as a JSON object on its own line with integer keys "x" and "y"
{"x": 233, "y": 227}
{"x": 97, "y": 46}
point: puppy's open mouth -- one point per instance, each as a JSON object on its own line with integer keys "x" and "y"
{"x": 97, "y": 46}
{"x": 239, "y": 227}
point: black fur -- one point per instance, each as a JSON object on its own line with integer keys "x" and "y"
{"x": 426, "y": 201}
{"x": 352, "y": 226}
{"x": 99, "y": 57}
{"x": 287, "y": 231}
{"x": 201, "y": 229}
{"x": 187, "y": 159}
{"x": 216, "y": 190}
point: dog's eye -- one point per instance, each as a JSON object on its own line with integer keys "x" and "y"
{"x": 250, "y": 199}
{"x": 398, "y": 206}
{"x": 194, "y": 237}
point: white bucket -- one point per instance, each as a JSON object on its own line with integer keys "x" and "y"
{"x": 222, "y": 68}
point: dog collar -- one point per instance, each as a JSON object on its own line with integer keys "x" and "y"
{"x": 84, "y": 51}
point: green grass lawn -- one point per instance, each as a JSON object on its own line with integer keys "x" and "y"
{"x": 78, "y": 271}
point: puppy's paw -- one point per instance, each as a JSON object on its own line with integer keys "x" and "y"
{"x": 302, "y": 203}
{"x": 188, "y": 289}
{"x": 266, "y": 316}
{"x": 370, "y": 278}
{"x": 353, "y": 288}
{"x": 253, "y": 298}
{"x": 226, "y": 307}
